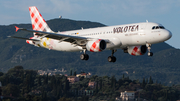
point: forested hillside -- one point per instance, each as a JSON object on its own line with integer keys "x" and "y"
{"x": 19, "y": 84}
{"x": 163, "y": 66}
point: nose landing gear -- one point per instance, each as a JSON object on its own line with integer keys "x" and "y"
{"x": 149, "y": 49}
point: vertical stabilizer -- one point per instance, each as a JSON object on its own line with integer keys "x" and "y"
{"x": 38, "y": 23}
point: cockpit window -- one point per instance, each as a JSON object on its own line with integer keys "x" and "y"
{"x": 161, "y": 27}
{"x": 153, "y": 27}
{"x": 158, "y": 27}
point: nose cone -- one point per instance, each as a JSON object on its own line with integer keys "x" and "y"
{"x": 167, "y": 35}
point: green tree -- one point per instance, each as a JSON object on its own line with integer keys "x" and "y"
{"x": 71, "y": 73}
{"x": 64, "y": 99}
{"x": 22, "y": 92}
{"x": 96, "y": 91}
{"x": 45, "y": 81}
{"x": 143, "y": 83}
{"x": 113, "y": 82}
{"x": 150, "y": 80}
{"x": 53, "y": 82}
{"x": 85, "y": 98}
{"x": 74, "y": 73}
{"x": 11, "y": 89}
{"x": 100, "y": 84}
{"x": 37, "y": 98}
{"x": 147, "y": 81}
{"x": 39, "y": 81}
{"x": 1, "y": 73}
{"x": 66, "y": 87}
{"x": 0, "y": 91}
{"x": 18, "y": 67}
{"x": 27, "y": 82}
{"x": 123, "y": 76}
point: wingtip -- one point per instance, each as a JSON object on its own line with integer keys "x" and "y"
{"x": 17, "y": 28}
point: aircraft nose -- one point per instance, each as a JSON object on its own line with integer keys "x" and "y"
{"x": 167, "y": 35}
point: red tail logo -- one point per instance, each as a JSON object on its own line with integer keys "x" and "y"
{"x": 38, "y": 23}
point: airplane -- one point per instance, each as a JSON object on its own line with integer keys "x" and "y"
{"x": 135, "y": 38}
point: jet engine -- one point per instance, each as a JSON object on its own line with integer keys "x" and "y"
{"x": 137, "y": 50}
{"x": 96, "y": 45}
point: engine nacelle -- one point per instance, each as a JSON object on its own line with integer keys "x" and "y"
{"x": 137, "y": 50}
{"x": 96, "y": 45}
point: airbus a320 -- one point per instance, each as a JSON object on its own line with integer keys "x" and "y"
{"x": 135, "y": 38}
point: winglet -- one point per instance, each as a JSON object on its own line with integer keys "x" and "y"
{"x": 17, "y": 28}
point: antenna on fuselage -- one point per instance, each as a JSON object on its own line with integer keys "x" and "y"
{"x": 147, "y": 21}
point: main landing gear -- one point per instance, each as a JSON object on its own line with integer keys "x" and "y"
{"x": 112, "y": 58}
{"x": 84, "y": 56}
{"x": 149, "y": 49}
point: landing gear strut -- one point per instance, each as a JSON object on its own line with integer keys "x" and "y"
{"x": 112, "y": 58}
{"x": 84, "y": 56}
{"x": 149, "y": 49}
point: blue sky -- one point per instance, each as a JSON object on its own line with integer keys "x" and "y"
{"x": 108, "y": 12}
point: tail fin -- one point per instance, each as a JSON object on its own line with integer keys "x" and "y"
{"x": 38, "y": 23}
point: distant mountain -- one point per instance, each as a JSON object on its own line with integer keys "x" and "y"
{"x": 163, "y": 66}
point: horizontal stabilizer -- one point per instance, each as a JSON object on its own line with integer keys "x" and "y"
{"x": 22, "y": 38}
{"x": 17, "y": 28}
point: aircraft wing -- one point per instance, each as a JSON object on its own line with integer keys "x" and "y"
{"x": 58, "y": 36}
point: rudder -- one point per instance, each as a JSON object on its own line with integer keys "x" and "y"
{"x": 38, "y": 23}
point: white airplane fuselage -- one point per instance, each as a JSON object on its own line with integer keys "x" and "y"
{"x": 134, "y": 39}
{"x": 120, "y": 36}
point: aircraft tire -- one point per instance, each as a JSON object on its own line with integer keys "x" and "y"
{"x": 150, "y": 54}
{"x": 112, "y": 59}
{"x": 84, "y": 56}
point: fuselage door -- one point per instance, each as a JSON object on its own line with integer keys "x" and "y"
{"x": 142, "y": 30}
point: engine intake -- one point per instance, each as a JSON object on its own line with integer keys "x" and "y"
{"x": 137, "y": 50}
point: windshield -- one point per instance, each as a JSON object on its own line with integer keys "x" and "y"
{"x": 158, "y": 27}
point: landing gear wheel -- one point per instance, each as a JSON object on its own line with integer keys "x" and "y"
{"x": 84, "y": 56}
{"x": 112, "y": 59}
{"x": 150, "y": 53}
{"x": 149, "y": 49}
